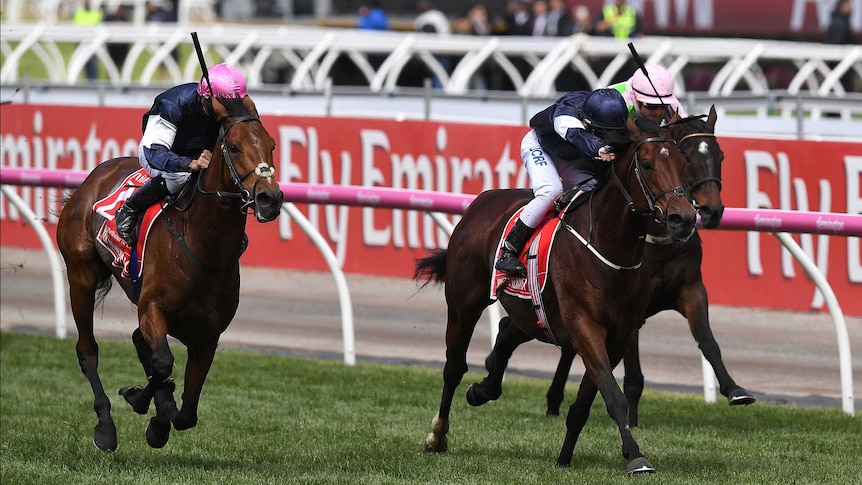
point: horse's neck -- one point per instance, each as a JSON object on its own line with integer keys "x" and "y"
{"x": 609, "y": 224}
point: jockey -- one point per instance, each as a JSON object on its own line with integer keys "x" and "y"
{"x": 641, "y": 98}
{"x": 178, "y": 132}
{"x": 569, "y": 141}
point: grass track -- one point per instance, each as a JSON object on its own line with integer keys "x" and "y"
{"x": 269, "y": 419}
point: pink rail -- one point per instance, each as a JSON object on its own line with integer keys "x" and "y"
{"x": 764, "y": 220}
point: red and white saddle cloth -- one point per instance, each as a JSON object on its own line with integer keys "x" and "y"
{"x": 108, "y": 236}
{"x": 535, "y": 259}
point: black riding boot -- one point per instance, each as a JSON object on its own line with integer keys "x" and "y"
{"x": 127, "y": 215}
{"x": 512, "y": 247}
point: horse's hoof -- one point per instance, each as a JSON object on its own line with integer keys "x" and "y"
{"x": 433, "y": 444}
{"x": 182, "y": 424}
{"x": 158, "y": 432}
{"x": 105, "y": 439}
{"x": 639, "y": 466}
{"x": 740, "y": 397}
{"x": 130, "y": 394}
{"x": 475, "y": 396}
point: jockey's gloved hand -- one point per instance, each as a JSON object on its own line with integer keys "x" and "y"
{"x": 607, "y": 153}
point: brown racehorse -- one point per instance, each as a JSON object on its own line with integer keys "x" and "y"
{"x": 676, "y": 282}
{"x": 190, "y": 282}
{"x": 595, "y": 294}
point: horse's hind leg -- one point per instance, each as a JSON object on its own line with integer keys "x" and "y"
{"x": 556, "y": 392}
{"x": 491, "y": 388}
{"x": 694, "y": 306}
{"x": 459, "y": 330}
{"x": 200, "y": 359}
{"x": 84, "y": 279}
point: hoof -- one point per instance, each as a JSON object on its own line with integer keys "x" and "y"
{"x": 130, "y": 394}
{"x": 639, "y": 466}
{"x": 158, "y": 432}
{"x": 105, "y": 439}
{"x": 432, "y": 444}
{"x": 740, "y": 397}
{"x": 476, "y": 396}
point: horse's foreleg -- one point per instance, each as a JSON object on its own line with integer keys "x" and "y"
{"x": 600, "y": 355}
{"x": 83, "y": 296}
{"x": 151, "y": 333}
{"x": 694, "y": 306}
{"x": 633, "y": 381}
{"x": 491, "y": 388}
{"x": 459, "y": 331}
{"x": 557, "y": 390}
{"x": 197, "y": 368}
{"x": 159, "y": 429}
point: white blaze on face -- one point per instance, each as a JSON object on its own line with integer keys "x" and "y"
{"x": 665, "y": 152}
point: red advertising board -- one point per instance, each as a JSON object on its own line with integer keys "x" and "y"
{"x": 741, "y": 268}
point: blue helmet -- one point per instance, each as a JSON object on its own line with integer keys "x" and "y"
{"x": 605, "y": 109}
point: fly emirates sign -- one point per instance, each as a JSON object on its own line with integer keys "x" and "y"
{"x": 740, "y": 268}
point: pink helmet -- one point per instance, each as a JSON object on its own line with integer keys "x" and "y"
{"x": 661, "y": 79}
{"x": 227, "y": 82}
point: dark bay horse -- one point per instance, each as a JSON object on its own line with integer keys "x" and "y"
{"x": 595, "y": 294}
{"x": 676, "y": 282}
{"x": 190, "y": 283}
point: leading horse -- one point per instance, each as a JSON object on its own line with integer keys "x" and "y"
{"x": 676, "y": 282}
{"x": 593, "y": 297}
{"x": 189, "y": 287}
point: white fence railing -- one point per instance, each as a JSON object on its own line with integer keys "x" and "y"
{"x": 435, "y": 202}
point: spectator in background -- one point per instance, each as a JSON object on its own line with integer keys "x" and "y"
{"x": 88, "y": 16}
{"x": 540, "y": 18}
{"x": 517, "y": 19}
{"x": 372, "y": 17}
{"x": 432, "y": 21}
{"x": 119, "y": 51}
{"x": 839, "y": 30}
{"x": 619, "y": 20}
{"x": 556, "y": 13}
{"x": 155, "y": 12}
{"x": 480, "y": 21}
{"x": 578, "y": 21}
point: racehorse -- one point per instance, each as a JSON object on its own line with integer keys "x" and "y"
{"x": 593, "y": 297}
{"x": 189, "y": 286}
{"x": 676, "y": 282}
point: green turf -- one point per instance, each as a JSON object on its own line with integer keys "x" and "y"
{"x": 274, "y": 419}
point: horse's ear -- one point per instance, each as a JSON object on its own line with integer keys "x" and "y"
{"x": 711, "y": 119}
{"x": 674, "y": 115}
{"x": 218, "y": 108}
{"x": 249, "y": 105}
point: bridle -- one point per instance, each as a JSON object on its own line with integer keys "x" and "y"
{"x": 263, "y": 171}
{"x": 659, "y": 213}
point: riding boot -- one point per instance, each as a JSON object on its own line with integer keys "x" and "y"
{"x": 512, "y": 247}
{"x": 127, "y": 215}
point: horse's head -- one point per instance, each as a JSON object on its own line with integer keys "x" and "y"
{"x": 246, "y": 149}
{"x": 696, "y": 140}
{"x": 653, "y": 171}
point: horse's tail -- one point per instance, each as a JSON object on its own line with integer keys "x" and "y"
{"x": 432, "y": 267}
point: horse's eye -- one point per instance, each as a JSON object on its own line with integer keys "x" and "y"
{"x": 233, "y": 148}
{"x": 647, "y": 166}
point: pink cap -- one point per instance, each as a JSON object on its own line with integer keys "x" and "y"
{"x": 661, "y": 79}
{"x": 227, "y": 82}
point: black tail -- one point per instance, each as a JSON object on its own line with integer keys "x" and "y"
{"x": 432, "y": 267}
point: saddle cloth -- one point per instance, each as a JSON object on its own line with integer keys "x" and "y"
{"x": 535, "y": 259}
{"x": 124, "y": 256}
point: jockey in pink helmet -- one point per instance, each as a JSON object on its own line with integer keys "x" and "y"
{"x": 645, "y": 101}
{"x": 178, "y": 132}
